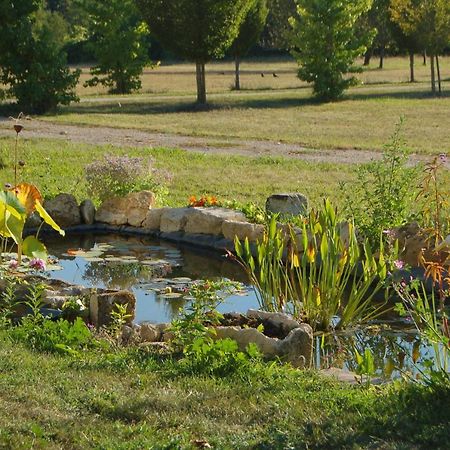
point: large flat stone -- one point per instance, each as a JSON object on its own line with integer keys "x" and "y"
{"x": 293, "y": 204}
{"x": 64, "y": 210}
{"x": 174, "y": 219}
{"x": 129, "y": 210}
{"x": 232, "y": 229}
{"x": 210, "y": 220}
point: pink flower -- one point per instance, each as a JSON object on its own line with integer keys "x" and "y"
{"x": 399, "y": 264}
{"x": 13, "y": 264}
{"x": 37, "y": 264}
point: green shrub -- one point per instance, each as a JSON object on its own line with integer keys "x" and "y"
{"x": 383, "y": 194}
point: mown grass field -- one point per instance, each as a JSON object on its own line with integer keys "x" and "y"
{"x": 58, "y": 166}
{"x": 278, "y": 109}
{"x": 133, "y": 400}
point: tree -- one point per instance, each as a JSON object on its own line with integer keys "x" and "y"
{"x": 325, "y": 43}
{"x": 118, "y": 40}
{"x": 197, "y": 30}
{"x": 249, "y": 33}
{"x": 428, "y": 21}
{"x": 379, "y": 18}
{"x": 276, "y": 32}
{"x": 33, "y": 63}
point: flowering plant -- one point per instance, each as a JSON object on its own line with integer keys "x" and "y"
{"x": 204, "y": 200}
{"x": 120, "y": 175}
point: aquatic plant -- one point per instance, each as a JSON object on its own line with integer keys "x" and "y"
{"x": 320, "y": 273}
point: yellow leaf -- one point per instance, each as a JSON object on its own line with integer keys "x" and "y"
{"x": 47, "y": 219}
{"x": 28, "y": 195}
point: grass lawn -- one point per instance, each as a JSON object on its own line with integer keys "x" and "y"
{"x": 57, "y": 166}
{"x": 132, "y": 400}
{"x": 277, "y": 109}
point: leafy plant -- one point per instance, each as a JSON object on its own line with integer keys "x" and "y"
{"x": 383, "y": 194}
{"x": 365, "y": 364}
{"x": 432, "y": 324}
{"x": 119, "y": 318}
{"x": 120, "y": 175}
{"x": 322, "y": 276}
{"x": 434, "y": 198}
{"x": 201, "y": 313}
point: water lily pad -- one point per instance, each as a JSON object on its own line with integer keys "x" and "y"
{"x": 94, "y": 259}
{"x": 171, "y": 295}
{"x": 181, "y": 280}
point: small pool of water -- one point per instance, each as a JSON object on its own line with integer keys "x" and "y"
{"x": 158, "y": 272}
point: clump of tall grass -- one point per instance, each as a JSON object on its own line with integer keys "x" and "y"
{"x": 319, "y": 273}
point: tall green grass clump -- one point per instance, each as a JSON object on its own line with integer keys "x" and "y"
{"x": 319, "y": 273}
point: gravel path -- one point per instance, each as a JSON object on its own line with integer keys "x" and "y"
{"x": 121, "y": 137}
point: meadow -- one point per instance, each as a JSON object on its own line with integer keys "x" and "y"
{"x": 278, "y": 109}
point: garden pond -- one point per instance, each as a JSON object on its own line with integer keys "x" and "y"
{"x": 158, "y": 273}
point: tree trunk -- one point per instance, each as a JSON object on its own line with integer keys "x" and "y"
{"x": 201, "y": 83}
{"x": 424, "y": 57}
{"x": 433, "y": 75}
{"x": 368, "y": 56}
{"x": 438, "y": 74}
{"x": 381, "y": 65}
{"x": 237, "y": 83}
{"x": 412, "y": 78}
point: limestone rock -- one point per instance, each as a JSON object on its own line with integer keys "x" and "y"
{"x": 294, "y": 204}
{"x": 102, "y": 304}
{"x": 245, "y": 336}
{"x": 242, "y": 230}
{"x": 297, "y": 347}
{"x": 138, "y": 205}
{"x": 275, "y": 324}
{"x": 64, "y": 210}
{"x": 152, "y": 220}
{"x": 87, "y": 212}
{"x": 174, "y": 219}
{"x": 210, "y": 220}
{"x": 129, "y": 210}
{"x": 149, "y": 333}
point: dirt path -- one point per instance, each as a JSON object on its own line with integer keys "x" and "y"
{"x": 121, "y": 137}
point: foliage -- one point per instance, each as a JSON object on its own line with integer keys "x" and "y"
{"x": 34, "y": 66}
{"x": 326, "y": 274}
{"x": 276, "y": 32}
{"x": 429, "y": 20}
{"x": 383, "y": 194}
{"x": 431, "y": 321}
{"x": 196, "y": 31}
{"x": 119, "y": 318}
{"x": 194, "y": 334}
{"x": 434, "y": 199}
{"x": 428, "y": 23}
{"x": 59, "y": 336}
{"x": 200, "y": 313}
{"x": 249, "y": 32}
{"x": 365, "y": 365}
{"x": 325, "y": 45}
{"x": 120, "y": 175}
{"x": 118, "y": 39}
{"x": 17, "y": 203}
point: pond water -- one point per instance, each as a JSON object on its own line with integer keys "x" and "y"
{"x": 159, "y": 271}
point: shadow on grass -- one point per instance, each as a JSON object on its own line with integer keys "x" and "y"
{"x": 232, "y": 102}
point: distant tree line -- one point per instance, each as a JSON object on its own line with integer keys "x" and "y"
{"x": 325, "y": 36}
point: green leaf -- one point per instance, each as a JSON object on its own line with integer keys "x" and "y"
{"x": 33, "y": 248}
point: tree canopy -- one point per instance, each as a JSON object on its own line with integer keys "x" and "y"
{"x": 325, "y": 43}
{"x": 198, "y": 30}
